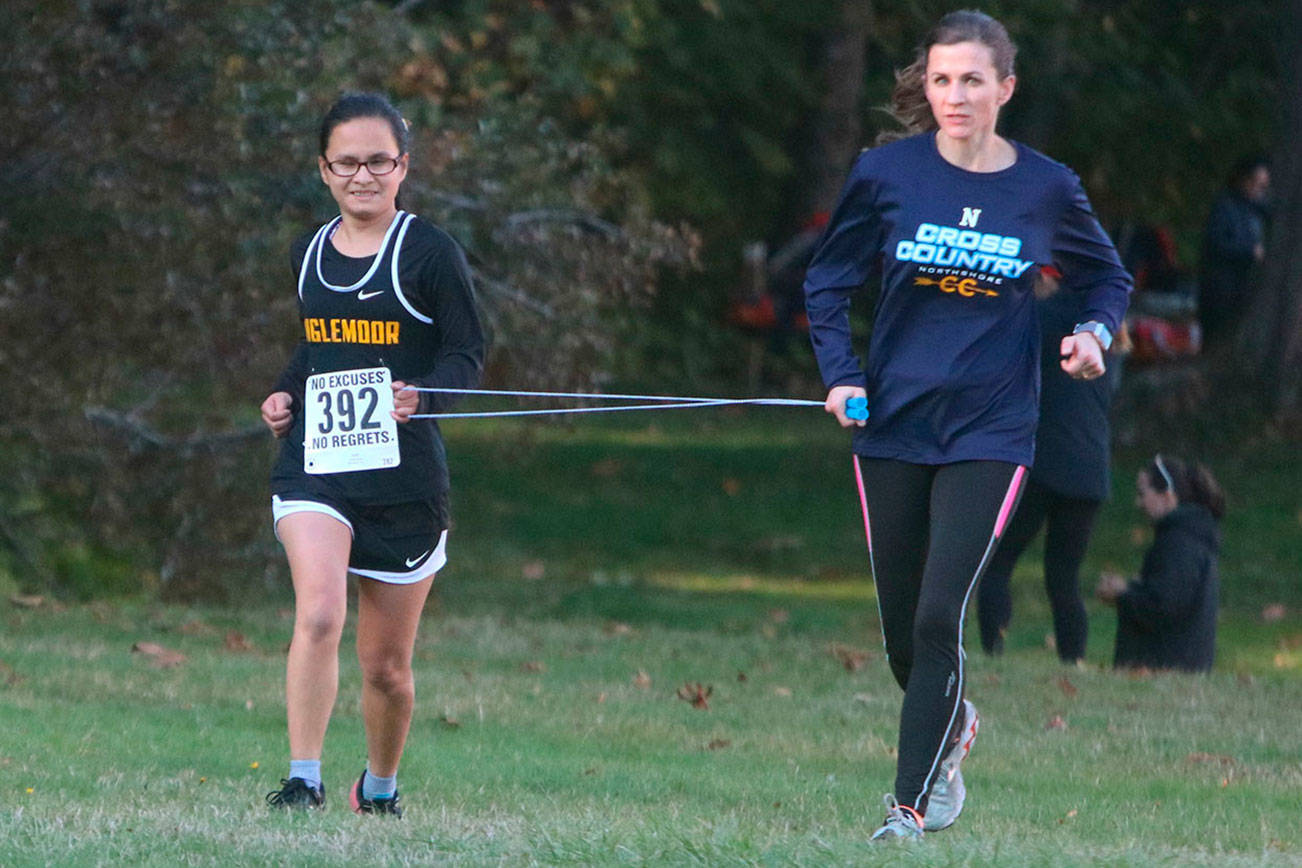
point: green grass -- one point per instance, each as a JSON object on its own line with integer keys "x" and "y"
{"x": 727, "y": 554}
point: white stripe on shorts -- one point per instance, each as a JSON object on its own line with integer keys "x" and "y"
{"x": 281, "y": 508}
{"x": 437, "y": 559}
{"x": 429, "y": 567}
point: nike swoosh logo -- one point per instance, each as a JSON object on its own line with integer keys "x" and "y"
{"x": 411, "y": 562}
{"x": 363, "y": 296}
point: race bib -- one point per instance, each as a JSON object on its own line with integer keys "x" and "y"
{"x": 348, "y": 423}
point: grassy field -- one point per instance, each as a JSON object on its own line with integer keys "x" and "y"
{"x": 596, "y": 571}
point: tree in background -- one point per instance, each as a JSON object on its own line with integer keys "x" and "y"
{"x": 159, "y": 159}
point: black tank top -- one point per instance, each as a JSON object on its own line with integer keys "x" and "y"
{"x": 367, "y": 324}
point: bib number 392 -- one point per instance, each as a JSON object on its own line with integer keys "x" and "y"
{"x": 348, "y": 426}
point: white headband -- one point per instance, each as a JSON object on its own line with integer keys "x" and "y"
{"x": 1161, "y": 468}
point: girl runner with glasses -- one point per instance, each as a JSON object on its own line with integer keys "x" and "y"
{"x": 386, "y": 302}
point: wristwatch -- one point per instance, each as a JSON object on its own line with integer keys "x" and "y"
{"x": 1098, "y": 329}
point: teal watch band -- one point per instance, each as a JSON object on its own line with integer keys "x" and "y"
{"x": 1101, "y": 332}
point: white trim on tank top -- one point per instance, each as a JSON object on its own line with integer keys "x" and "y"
{"x": 397, "y": 287}
{"x": 329, "y": 229}
{"x": 307, "y": 259}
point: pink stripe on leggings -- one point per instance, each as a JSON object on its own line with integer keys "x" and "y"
{"x": 863, "y": 502}
{"x": 1006, "y": 510}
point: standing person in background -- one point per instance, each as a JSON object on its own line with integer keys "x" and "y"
{"x": 956, "y": 221}
{"x": 1234, "y": 242}
{"x": 360, "y": 487}
{"x": 1166, "y": 619}
{"x": 1070, "y": 479}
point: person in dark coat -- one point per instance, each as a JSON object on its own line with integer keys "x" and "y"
{"x": 1234, "y": 242}
{"x": 1166, "y": 619}
{"x": 1068, "y": 483}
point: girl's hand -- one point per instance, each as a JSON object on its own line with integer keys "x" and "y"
{"x": 1111, "y": 586}
{"x": 276, "y": 412}
{"x": 406, "y": 400}
{"x": 1082, "y": 357}
{"x": 835, "y": 404}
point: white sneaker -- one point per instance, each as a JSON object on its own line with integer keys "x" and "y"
{"x": 902, "y": 823}
{"x": 948, "y": 791}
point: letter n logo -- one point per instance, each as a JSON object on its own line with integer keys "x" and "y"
{"x": 970, "y": 217}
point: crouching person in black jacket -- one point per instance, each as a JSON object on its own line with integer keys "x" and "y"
{"x": 1166, "y": 619}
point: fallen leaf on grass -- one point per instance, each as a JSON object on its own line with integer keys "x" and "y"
{"x": 697, "y": 694}
{"x": 195, "y": 627}
{"x": 449, "y": 721}
{"x": 236, "y": 642}
{"x": 607, "y": 467}
{"x": 865, "y": 698}
{"x": 741, "y": 677}
{"x": 779, "y": 616}
{"x": 10, "y": 676}
{"x": 641, "y": 680}
{"x": 1056, "y": 722}
{"x": 1274, "y": 612}
{"x": 158, "y": 656}
{"x": 719, "y": 744}
{"x": 533, "y": 570}
{"x": 617, "y": 628}
{"x": 1218, "y": 758}
{"x": 27, "y": 601}
{"x": 533, "y": 666}
{"x": 732, "y": 487}
{"x": 853, "y": 659}
{"x": 1070, "y": 814}
{"x": 1068, "y": 689}
{"x": 782, "y": 691}
{"x": 601, "y": 698}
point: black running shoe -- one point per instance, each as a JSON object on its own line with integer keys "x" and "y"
{"x": 363, "y": 805}
{"x": 297, "y": 794}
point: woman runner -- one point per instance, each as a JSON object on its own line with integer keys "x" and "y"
{"x": 955, "y": 221}
{"x": 386, "y": 302}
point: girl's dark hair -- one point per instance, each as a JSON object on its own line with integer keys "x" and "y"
{"x": 1245, "y": 167}
{"x": 352, "y": 106}
{"x": 1192, "y": 481}
{"x": 909, "y": 103}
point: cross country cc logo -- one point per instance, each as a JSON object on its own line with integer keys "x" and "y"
{"x": 967, "y": 287}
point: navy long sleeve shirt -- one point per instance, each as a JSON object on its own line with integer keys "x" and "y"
{"x": 953, "y": 363}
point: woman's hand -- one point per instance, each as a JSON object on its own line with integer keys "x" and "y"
{"x": 406, "y": 400}
{"x": 1082, "y": 356}
{"x": 1111, "y": 586}
{"x": 835, "y": 404}
{"x": 277, "y": 414}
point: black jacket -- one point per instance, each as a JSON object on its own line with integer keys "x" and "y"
{"x": 1167, "y": 619}
{"x": 1073, "y": 441}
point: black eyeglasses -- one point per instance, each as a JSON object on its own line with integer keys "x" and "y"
{"x": 346, "y": 168}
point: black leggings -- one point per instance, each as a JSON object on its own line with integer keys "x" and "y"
{"x": 931, "y": 532}
{"x": 1070, "y": 521}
